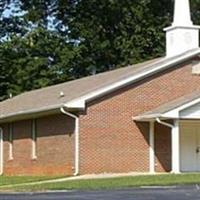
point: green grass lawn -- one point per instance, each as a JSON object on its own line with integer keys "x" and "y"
{"x": 9, "y": 180}
{"x": 114, "y": 183}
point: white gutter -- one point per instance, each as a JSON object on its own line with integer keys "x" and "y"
{"x": 164, "y": 123}
{"x": 76, "y": 172}
{"x": 1, "y": 151}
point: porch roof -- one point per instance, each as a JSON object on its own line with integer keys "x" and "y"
{"x": 171, "y": 110}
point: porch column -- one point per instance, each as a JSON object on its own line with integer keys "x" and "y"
{"x": 151, "y": 148}
{"x": 175, "y": 148}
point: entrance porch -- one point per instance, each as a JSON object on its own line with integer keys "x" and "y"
{"x": 182, "y": 117}
{"x": 185, "y": 146}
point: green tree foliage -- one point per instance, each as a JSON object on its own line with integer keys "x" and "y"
{"x": 37, "y": 60}
{"x": 112, "y": 33}
{"x": 44, "y": 42}
{"x": 116, "y": 33}
{"x": 195, "y": 7}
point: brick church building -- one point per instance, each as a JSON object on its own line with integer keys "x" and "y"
{"x": 141, "y": 118}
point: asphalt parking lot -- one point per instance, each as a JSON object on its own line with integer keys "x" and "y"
{"x": 156, "y": 193}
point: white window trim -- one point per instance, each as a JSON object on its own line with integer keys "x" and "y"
{"x": 34, "y": 138}
{"x": 11, "y": 142}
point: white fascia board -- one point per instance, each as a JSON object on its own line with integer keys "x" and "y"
{"x": 80, "y": 103}
{"x": 175, "y": 112}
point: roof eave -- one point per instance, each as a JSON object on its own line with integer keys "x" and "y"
{"x": 146, "y": 118}
{"x": 149, "y": 118}
{"x": 34, "y": 113}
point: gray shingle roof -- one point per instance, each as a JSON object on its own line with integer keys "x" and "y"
{"x": 48, "y": 98}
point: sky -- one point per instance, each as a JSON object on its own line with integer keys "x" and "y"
{"x": 8, "y": 12}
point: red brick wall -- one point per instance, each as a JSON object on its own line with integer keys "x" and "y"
{"x": 111, "y": 142}
{"x": 55, "y": 144}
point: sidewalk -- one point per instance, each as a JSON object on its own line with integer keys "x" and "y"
{"x": 82, "y": 177}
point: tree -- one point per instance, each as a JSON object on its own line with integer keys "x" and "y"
{"x": 52, "y": 41}
{"x": 112, "y": 33}
{"x": 37, "y": 60}
{"x": 115, "y": 33}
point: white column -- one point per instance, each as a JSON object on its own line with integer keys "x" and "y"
{"x": 182, "y": 16}
{"x": 175, "y": 148}
{"x": 151, "y": 148}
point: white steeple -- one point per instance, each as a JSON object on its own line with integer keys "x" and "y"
{"x": 182, "y": 36}
{"x": 182, "y": 16}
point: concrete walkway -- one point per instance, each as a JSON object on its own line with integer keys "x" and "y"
{"x": 82, "y": 177}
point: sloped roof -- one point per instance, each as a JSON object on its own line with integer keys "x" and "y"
{"x": 49, "y": 98}
{"x": 159, "y": 111}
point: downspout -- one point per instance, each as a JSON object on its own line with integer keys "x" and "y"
{"x": 76, "y": 172}
{"x": 164, "y": 123}
{"x": 1, "y": 151}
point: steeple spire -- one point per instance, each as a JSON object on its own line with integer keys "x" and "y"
{"x": 182, "y": 16}
{"x": 182, "y": 36}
